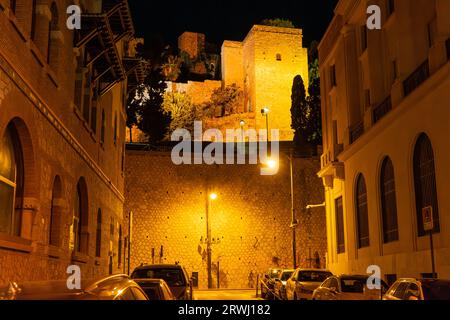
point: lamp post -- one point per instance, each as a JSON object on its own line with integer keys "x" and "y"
{"x": 272, "y": 164}
{"x": 265, "y": 112}
{"x": 210, "y": 197}
{"x": 242, "y": 124}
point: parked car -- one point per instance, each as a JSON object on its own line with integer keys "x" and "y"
{"x": 174, "y": 275}
{"x": 303, "y": 282}
{"x": 348, "y": 287}
{"x": 155, "y": 289}
{"x": 424, "y": 289}
{"x": 116, "y": 287}
{"x": 268, "y": 282}
{"x": 280, "y": 284}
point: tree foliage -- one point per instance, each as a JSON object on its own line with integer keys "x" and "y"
{"x": 183, "y": 112}
{"x": 299, "y": 110}
{"x": 306, "y": 112}
{"x": 171, "y": 68}
{"x": 224, "y": 101}
{"x": 277, "y": 22}
{"x": 145, "y": 108}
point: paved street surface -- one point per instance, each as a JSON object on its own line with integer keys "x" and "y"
{"x": 225, "y": 295}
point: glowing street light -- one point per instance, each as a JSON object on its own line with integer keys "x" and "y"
{"x": 213, "y": 196}
{"x": 271, "y": 164}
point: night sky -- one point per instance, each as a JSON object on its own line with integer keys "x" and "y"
{"x": 223, "y": 20}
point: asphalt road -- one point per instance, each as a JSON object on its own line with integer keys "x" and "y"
{"x": 225, "y": 295}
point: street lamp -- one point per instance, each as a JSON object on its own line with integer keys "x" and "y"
{"x": 272, "y": 164}
{"x": 265, "y": 112}
{"x": 211, "y": 197}
{"x": 241, "y": 146}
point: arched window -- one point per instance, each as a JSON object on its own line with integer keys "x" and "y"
{"x": 98, "y": 238}
{"x": 425, "y": 183}
{"x": 362, "y": 214}
{"x": 80, "y": 219}
{"x": 388, "y": 202}
{"x": 52, "y": 50}
{"x": 11, "y": 182}
{"x": 55, "y": 214}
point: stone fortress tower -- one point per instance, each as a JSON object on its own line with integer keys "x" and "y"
{"x": 264, "y": 66}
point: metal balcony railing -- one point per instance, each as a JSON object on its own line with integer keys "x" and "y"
{"x": 382, "y": 109}
{"x": 356, "y": 131}
{"x": 418, "y": 77}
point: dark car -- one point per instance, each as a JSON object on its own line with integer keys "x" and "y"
{"x": 116, "y": 287}
{"x": 174, "y": 275}
{"x": 348, "y": 287}
{"x": 268, "y": 282}
{"x": 423, "y": 289}
{"x": 155, "y": 289}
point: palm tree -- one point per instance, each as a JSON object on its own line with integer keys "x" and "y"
{"x": 171, "y": 69}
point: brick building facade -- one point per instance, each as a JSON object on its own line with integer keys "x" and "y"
{"x": 62, "y": 131}
{"x": 250, "y": 219}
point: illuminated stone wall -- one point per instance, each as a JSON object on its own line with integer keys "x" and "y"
{"x": 271, "y": 79}
{"x": 250, "y": 217}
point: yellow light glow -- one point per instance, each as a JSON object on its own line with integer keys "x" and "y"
{"x": 272, "y": 164}
{"x": 213, "y": 196}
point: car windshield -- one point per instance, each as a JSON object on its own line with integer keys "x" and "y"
{"x": 313, "y": 276}
{"x": 286, "y": 275}
{"x": 436, "y": 290}
{"x": 173, "y": 277}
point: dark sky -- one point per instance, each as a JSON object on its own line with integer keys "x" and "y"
{"x": 227, "y": 20}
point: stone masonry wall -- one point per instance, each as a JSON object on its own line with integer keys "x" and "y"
{"x": 249, "y": 220}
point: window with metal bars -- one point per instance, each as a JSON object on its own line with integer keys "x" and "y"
{"x": 362, "y": 214}
{"x": 425, "y": 183}
{"x": 340, "y": 236}
{"x": 388, "y": 202}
